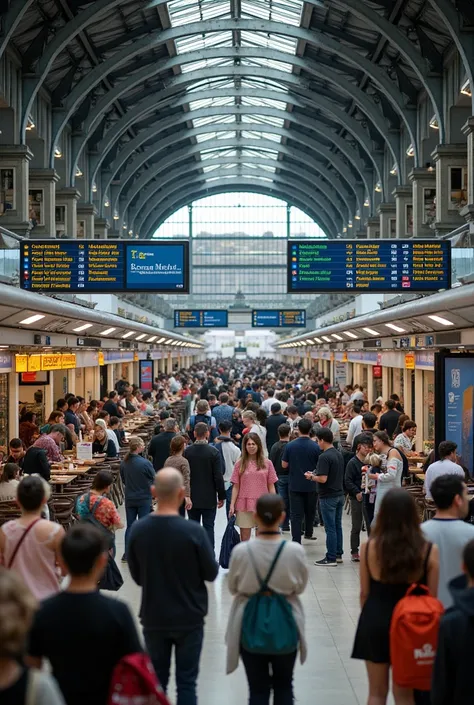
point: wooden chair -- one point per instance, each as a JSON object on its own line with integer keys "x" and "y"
{"x": 9, "y": 511}
{"x": 61, "y": 508}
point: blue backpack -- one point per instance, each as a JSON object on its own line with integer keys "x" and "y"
{"x": 268, "y": 625}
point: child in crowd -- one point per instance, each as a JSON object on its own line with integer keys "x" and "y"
{"x": 9, "y": 481}
{"x": 369, "y": 486}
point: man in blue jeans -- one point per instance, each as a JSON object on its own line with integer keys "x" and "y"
{"x": 330, "y": 478}
{"x": 171, "y": 558}
{"x": 276, "y": 455}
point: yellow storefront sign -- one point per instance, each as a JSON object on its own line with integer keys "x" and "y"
{"x": 51, "y": 361}
{"x": 68, "y": 361}
{"x": 21, "y": 363}
{"x": 344, "y": 357}
{"x": 409, "y": 361}
{"x": 135, "y": 357}
{"x": 100, "y": 358}
{"x": 34, "y": 363}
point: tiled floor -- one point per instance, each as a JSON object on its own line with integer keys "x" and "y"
{"x": 331, "y": 602}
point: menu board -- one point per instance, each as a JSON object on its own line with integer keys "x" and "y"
{"x": 316, "y": 266}
{"x": 279, "y": 319}
{"x": 200, "y": 319}
{"x": 97, "y": 266}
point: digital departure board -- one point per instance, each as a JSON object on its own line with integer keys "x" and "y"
{"x": 279, "y": 319}
{"x": 316, "y": 266}
{"x": 200, "y": 319}
{"x": 100, "y": 266}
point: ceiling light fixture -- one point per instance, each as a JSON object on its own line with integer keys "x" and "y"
{"x": 84, "y": 326}
{"x": 31, "y": 125}
{"x": 394, "y": 170}
{"x": 378, "y": 187}
{"x": 370, "y": 331}
{"x": 127, "y": 335}
{"x": 337, "y": 337}
{"x": 32, "y": 319}
{"x": 325, "y": 337}
{"x": 79, "y": 173}
{"x": 106, "y": 203}
{"x": 466, "y": 88}
{"x": 161, "y": 340}
{"x": 441, "y": 320}
{"x": 140, "y": 337}
{"x": 434, "y": 123}
{"x": 350, "y": 335}
{"x": 318, "y": 340}
{"x": 108, "y": 331}
{"x": 94, "y": 188}
{"x": 396, "y": 328}
{"x": 411, "y": 151}
{"x": 366, "y": 203}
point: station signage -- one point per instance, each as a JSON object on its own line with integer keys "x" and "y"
{"x": 185, "y": 318}
{"x": 45, "y": 362}
{"x": 403, "y": 266}
{"x": 410, "y": 361}
{"x": 279, "y": 319}
{"x": 99, "y": 266}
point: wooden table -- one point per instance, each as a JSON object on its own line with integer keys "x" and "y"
{"x": 421, "y": 476}
{"x": 61, "y": 480}
{"x": 77, "y": 470}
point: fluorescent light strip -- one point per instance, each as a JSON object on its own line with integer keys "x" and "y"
{"x": 326, "y": 338}
{"x": 152, "y": 339}
{"x": 161, "y": 340}
{"x": 397, "y": 329}
{"x": 441, "y": 320}
{"x": 371, "y": 331}
{"x": 309, "y": 341}
{"x": 32, "y": 319}
{"x": 318, "y": 340}
{"x": 350, "y": 335}
{"x": 167, "y": 342}
{"x": 108, "y": 331}
{"x": 84, "y": 326}
{"x": 337, "y": 337}
{"x": 127, "y": 335}
{"x": 140, "y": 337}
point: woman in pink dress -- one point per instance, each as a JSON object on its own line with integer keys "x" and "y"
{"x": 253, "y": 476}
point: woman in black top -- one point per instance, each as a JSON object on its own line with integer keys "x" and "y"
{"x": 102, "y": 443}
{"x": 395, "y": 556}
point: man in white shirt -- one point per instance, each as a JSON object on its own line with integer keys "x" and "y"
{"x": 269, "y": 400}
{"x": 293, "y": 417}
{"x": 230, "y": 453}
{"x": 446, "y": 465}
{"x": 357, "y": 394}
{"x": 355, "y": 426}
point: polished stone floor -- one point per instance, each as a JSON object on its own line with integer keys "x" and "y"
{"x": 331, "y": 602}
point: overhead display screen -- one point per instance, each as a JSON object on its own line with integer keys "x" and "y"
{"x": 279, "y": 319}
{"x": 200, "y": 319}
{"x": 316, "y": 266}
{"x": 99, "y": 266}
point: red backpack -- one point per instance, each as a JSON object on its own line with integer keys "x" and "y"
{"x": 134, "y": 682}
{"x": 414, "y": 637}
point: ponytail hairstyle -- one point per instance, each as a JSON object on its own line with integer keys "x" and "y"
{"x": 269, "y": 508}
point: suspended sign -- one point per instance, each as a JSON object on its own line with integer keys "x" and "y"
{"x": 21, "y": 363}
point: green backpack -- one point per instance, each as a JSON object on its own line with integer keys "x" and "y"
{"x": 268, "y": 625}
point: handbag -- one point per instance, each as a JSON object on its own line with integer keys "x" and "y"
{"x": 230, "y": 539}
{"x": 112, "y": 577}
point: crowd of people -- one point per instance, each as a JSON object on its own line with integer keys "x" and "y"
{"x": 279, "y": 450}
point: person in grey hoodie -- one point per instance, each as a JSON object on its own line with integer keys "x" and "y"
{"x": 230, "y": 453}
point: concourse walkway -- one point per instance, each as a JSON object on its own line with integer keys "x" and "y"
{"x": 331, "y": 603}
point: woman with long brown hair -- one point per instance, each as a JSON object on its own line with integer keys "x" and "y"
{"x": 253, "y": 476}
{"x": 395, "y": 556}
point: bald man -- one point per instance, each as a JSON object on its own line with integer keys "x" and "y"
{"x": 171, "y": 558}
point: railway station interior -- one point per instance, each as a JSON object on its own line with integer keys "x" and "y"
{"x": 236, "y": 308}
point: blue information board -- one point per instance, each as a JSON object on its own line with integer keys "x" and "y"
{"x": 458, "y": 406}
{"x": 97, "y": 266}
{"x": 316, "y": 266}
{"x": 200, "y": 319}
{"x": 279, "y": 319}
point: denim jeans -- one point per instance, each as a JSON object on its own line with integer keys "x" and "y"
{"x": 187, "y": 647}
{"x": 228, "y": 497}
{"x": 282, "y": 489}
{"x": 262, "y": 681}
{"x": 331, "y": 511}
{"x": 357, "y": 518}
{"x": 303, "y": 504}
{"x": 134, "y": 512}
{"x": 208, "y": 517}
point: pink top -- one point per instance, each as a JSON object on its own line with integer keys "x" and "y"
{"x": 252, "y": 484}
{"x": 35, "y": 561}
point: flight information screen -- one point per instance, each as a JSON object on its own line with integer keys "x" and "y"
{"x": 98, "y": 266}
{"x": 279, "y": 319}
{"x": 200, "y": 319}
{"x": 316, "y": 266}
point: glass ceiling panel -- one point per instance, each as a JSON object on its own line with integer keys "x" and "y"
{"x": 267, "y": 153}
{"x": 268, "y": 41}
{"x": 205, "y": 63}
{"x": 215, "y": 136}
{"x": 263, "y": 83}
{"x": 263, "y": 120}
{"x": 213, "y": 120}
{"x": 268, "y": 63}
{"x": 213, "y": 102}
{"x": 202, "y": 41}
{"x": 287, "y": 11}
{"x": 215, "y": 153}
{"x": 255, "y": 134}
{"x": 185, "y": 11}
{"x": 265, "y": 167}
{"x": 210, "y": 83}
{"x": 211, "y": 167}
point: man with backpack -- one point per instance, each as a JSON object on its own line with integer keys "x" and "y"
{"x": 202, "y": 415}
{"x": 81, "y": 623}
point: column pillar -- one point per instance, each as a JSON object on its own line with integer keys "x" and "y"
{"x": 388, "y": 220}
{"x": 66, "y": 212}
{"x": 14, "y": 174}
{"x": 373, "y": 228}
{"x": 423, "y": 182}
{"x": 13, "y": 408}
{"x": 370, "y": 384}
{"x": 404, "y": 211}
{"x": 101, "y": 228}
{"x": 407, "y": 397}
{"x": 468, "y": 211}
{"x": 42, "y": 201}
{"x": 49, "y": 396}
{"x": 110, "y": 377}
{"x": 169, "y": 364}
{"x": 135, "y": 373}
{"x": 96, "y": 382}
{"x": 162, "y": 366}
{"x": 385, "y": 389}
{"x": 451, "y": 186}
{"x": 86, "y": 213}
{"x": 71, "y": 381}
{"x": 419, "y": 409}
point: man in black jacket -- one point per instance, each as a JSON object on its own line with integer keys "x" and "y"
{"x": 452, "y": 671}
{"x": 159, "y": 448}
{"x": 389, "y": 420}
{"x": 275, "y": 420}
{"x": 207, "y": 480}
{"x": 353, "y": 484}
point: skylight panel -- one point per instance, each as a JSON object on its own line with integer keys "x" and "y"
{"x": 267, "y": 153}
{"x": 287, "y": 11}
{"x": 263, "y": 102}
{"x": 255, "y": 134}
{"x": 258, "y": 178}
{"x": 268, "y": 63}
{"x": 185, "y": 11}
{"x": 215, "y": 136}
{"x": 217, "y": 153}
{"x": 213, "y": 120}
{"x": 205, "y": 63}
{"x": 203, "y": 41}
{"x": 264, "y": 167}
{"x": 211, "y": 167}
{"x": 211, "y": 102}
{"x": 268, "y": 41}
{"x": 263, "y": 83}
{"x": 263, "y": 120}
{"x": 211, "y": 83}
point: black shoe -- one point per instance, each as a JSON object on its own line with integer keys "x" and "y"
{"x": 325, "y": 563}
{"x": 124, "y": 558}
{"x": 285, "y": 528}
{"x": 339, "y": 559}
{"x": 310, "y": 538}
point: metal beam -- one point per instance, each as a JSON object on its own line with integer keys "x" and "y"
{"x": 170, "y": 160}
{"x": 192, "y": 194}
{"x": 287, "y": 186}
{"x": 311, "y": 146}
{"x": 98, "y": 73}
{"x": 187, "y": 174}
{"x": 16, "y": 12}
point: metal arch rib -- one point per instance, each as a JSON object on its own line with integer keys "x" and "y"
{"x": 356, "y": 94}
{"x": 238, "y": 184}
{"x": 171, "y": 160}
{"x": 186, "y": 171}
{"x": 290, "y": 185}
{"x": 377, "y": 74}
{"x": 14, "y": 15}
{"x": 343, "y": 146}
{"x": 325, "y": 189}
{"x": 296, "y": 154}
